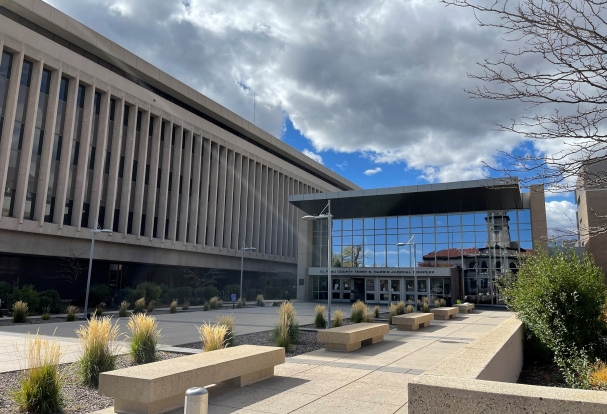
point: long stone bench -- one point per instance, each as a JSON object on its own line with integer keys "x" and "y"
{"x": 160, "y": 386}
{"x": 444, "y": 313}
{"x": 412, "y": 321}
{"x": 349, "y": 338}
{"x": 464, "y": 307}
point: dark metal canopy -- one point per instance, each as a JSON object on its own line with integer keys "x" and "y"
{"x": 462, "y": 196}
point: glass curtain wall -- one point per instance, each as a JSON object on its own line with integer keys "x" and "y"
{"x": 483, "y": 244}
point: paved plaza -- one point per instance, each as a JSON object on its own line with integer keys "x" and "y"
{"x": 373, "y": 379}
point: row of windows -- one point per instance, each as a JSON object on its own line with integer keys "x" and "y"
{"x": 58, "y": 39}
{"x": 221, "y": 201}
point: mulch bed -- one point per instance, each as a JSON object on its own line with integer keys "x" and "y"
{"x": 546, "y": 375}
{"x": 79, "y": 399}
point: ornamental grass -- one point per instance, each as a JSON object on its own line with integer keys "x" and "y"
{"x": 20, "y": 311}
{"x": 143, "y": 339}
{"x": 98, "y": 349}
{"x": 41, "y": 383}
{"x": 338, "y": 318}
{"x": 213, "y": 337}
{"x": 215, "y": 303}
{"x": 259, "y": 301}
{"x": 319, "y": 320}
{"x": 376, "y": 312}
{"x": 139, "y": 306}
{"x": 360, "y": 312}
{"x": 173, "y": 307}
{"x": 71, "y": 312}
{"x": 228, "y": 321}
{"x": 123, "y": 309}
{"x": 392, "y": 310}
{"x": 286, "y": 332}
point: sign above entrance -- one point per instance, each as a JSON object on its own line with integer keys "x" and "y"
{"x": 380, "y": 271}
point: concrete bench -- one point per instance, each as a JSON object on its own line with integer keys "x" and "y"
{"x": 444, "y": 313}
{"x": 412, "y": 321}
{"x": 350, "y": 337}
{"x": 464, "y": 307}
{"x": 160, "y": 386}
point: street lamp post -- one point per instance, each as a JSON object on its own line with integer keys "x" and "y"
{"x": 329, "y": 217}
{"x": 414, "y": 244}
{"x": 88, "y": 281}
{"x": 245, "y": 248}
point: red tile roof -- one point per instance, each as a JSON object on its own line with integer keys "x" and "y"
{"x": 452, "y": 253}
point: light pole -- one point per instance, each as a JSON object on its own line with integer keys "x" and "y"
{"x": 245, "y": 248}
{"x": 88, "y": 281}
{"x": 414, "y": 244}
{"x": 327, "y": 216}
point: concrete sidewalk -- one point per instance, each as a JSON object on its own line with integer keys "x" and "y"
{"x": 373, "y": 379}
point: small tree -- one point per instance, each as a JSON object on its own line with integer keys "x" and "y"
{"x": 198, "y": 277}
{"x": 560, "y": 299}
{"x": 71, "y": 267}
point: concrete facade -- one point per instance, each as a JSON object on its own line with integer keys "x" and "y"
{"x": 180, "y": 179}
{"x": 591, "y": 200}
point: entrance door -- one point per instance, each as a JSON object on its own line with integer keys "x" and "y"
{"x": 358, "y": 289}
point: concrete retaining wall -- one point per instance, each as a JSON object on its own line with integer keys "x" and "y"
{"x": 481, "y": 378}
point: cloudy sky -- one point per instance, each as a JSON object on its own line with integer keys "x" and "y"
{"x": 371, "y": 89}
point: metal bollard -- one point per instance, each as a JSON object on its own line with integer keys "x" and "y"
{"x": 196, "y": 401}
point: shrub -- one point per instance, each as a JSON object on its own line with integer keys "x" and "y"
{"x": 215, "y": 303}
{"x": 50, "y": 299}
{"x": 124, "y": 307}
{"x": 151, "y": 306}
{"x": 28, "y": 295}
{"x": 46, "y": 314}
{"x": 98, "y": 349}
{"x": 259, "y": 301}
{"x": 20, "y": 311}
{"x": 209, "y": 292}
{"x": 272, "y": 292}
{"x": 98, "y": 293}
{"x": 182, "y": 294}
{"x": 338, "y": 318}
{"x": 185, "y": 306}
{"x": 360, "y": 312}
{"x": 127, "y": 294}
{"x": 320, "y": 321}
{"x": 173, "y": 307}
{"x": 287, "y": 331}
{"x": 213, "y": 337}
{"x": 560, "y": 299}
{"x": 206, "y": 306}
{"x": 228, "y": 321}
{"x": 71, "y": 313}
{"x": 598, "y": 376}
{"x": 149, "y": 290}
{"x": 458, "y": 301}
{"x": 40, "y": 385}
{"x": 229, "y": 289}
{"x": 139, "y": 306}
{"x": 144, "y": 337}
{"x": 99, "y": 309}
{"x": 376, "y": 312}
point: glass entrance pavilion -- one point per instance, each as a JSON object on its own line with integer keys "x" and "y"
{"x": 457, "y": 237}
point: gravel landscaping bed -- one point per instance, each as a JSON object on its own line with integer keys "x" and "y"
{"x": 30, "y": 321}
{"x": 79, "y": 399}
{"x": 307, "y": 342}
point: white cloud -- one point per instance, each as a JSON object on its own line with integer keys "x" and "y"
{"x": 314, "y": 156}
{"x": 373, "y": 171}
{"x": 342, "y": 166}
{"x": 384, "y": 78}
{"x": 560, "y": 216}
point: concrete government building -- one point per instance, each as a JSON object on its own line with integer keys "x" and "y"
{"x": 89, "y": 131}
